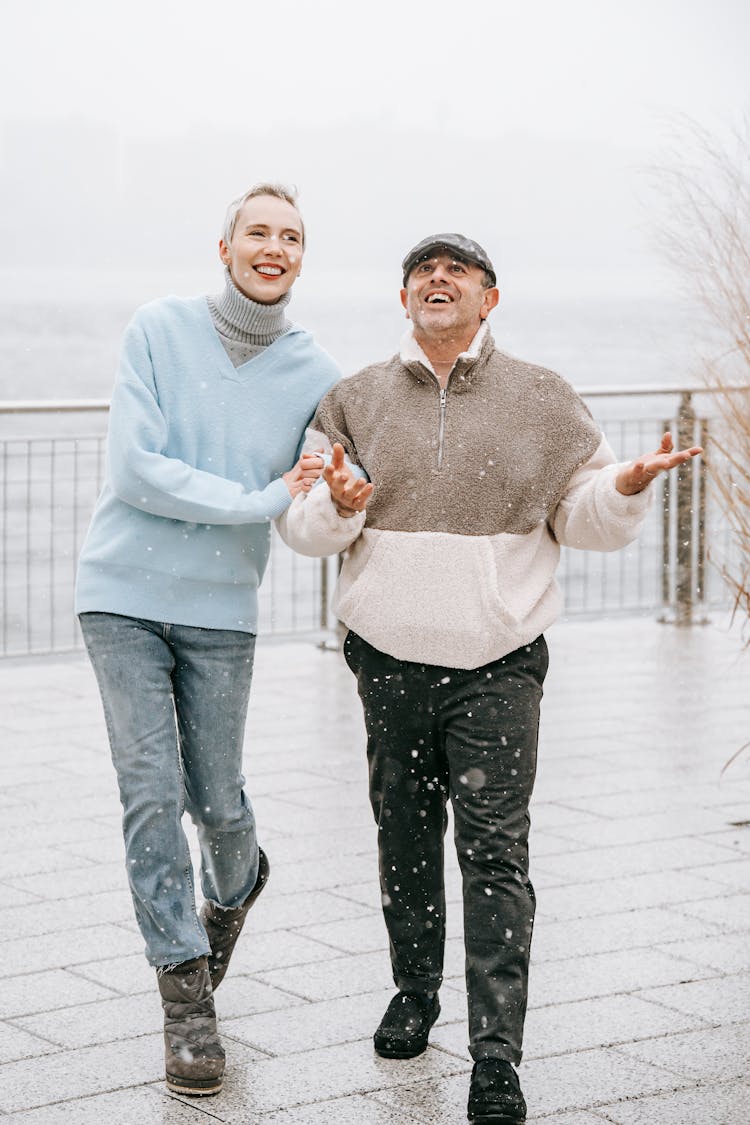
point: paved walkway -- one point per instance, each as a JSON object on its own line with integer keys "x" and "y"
{"x": 640, "y": 993}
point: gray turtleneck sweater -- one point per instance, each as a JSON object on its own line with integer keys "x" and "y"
{"x": 246, "y": 327}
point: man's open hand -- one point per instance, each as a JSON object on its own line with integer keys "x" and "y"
{"x": 639, "y": 474}
{"x": 349, "y": 493}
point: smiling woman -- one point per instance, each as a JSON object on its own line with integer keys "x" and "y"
{"x": 209, "y": 410}
{"x": 263, "y": 243}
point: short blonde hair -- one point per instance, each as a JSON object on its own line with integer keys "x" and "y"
{"x": 280, "y": 191}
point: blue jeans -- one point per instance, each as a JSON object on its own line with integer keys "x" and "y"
{"x": 175, "y": 701}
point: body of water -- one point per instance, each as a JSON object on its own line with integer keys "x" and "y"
{"x": 66, "y": 345}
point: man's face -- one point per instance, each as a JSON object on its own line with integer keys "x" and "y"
{"x": 265, "y": 254}
{"x": 443, "y": 293}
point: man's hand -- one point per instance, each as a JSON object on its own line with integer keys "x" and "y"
{"x": 302, "y": 476}
{"x": 640, "y": 473}
{"x": 349, "y": 493}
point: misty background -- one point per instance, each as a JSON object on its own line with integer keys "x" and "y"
{"x": 126, "y": 129}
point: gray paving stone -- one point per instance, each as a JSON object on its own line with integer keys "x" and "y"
{"x": 104, "y": 1021}
{"x": 736, "y": 840}
{"x": 313, "y": 875}
{"x": 319, "y": 1075}
{"x": 124, "y": 1107}
{"x": 357, "y": 840}
{"x": 627, "y": 930}
{"x": 730, "y": 913}
{"x": 554, "y": 815}
{"x": 355, "y": 1110}
{"x": 712, "y": 1054}
{"x": 74, "y": 1074}
{"x": 585, "y": 1024}
{"x": 627, "y": 893}
{"x": 727, "y": 1104}
{"x": 329, "y": 980}
{"x": 734, "y": 875}
{"x": 604, "y": 863}
{"x": 46, "y": 991}
{"x": 727, "y": 998}
{"x": 19, "y": 863}
{"x": 258, "y": 952}
{"x": 611, "y": 861}
{"x": 15, "y": 1043}
{"x": 12, "y": 896}
{"x": 728, "y": 953}
{"x": 607, "y": 974}
{"x": 675, "y": 823}
{"x": 293, "y": 818}
{"x": 441, "y": 1102}
{"x": 45, "y": 918}
{"x": 105, "y": 849}
{"x": 93, "y": 878}
{"x": 586, "y": 1079}
{"x": 328, "y": 1022}
{"x": 51, "y": 951}
{"x": 129, "y": 975}
{"x": 360, "y": 935}
{"x": 278, "y": 912}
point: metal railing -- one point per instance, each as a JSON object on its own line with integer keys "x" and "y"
{"x": 50, "y": 481}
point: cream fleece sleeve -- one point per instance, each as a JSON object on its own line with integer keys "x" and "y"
{"x": 312, "y": 526}
{"x": 593, "y": 515}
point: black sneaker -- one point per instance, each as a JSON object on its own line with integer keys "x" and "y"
{"x": 495, "y": 1096}
{"x": 405, "y": 1027}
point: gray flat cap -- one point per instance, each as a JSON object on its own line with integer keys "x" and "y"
{"x": 458, "y": 244}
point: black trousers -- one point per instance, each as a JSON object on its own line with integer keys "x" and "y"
{"x": 471, "y": 735}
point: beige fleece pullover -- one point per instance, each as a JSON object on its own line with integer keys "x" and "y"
{"x": 476, "y": 488}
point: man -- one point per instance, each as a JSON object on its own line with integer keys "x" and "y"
{"x": 208, "y": 412}
{"x": 477, "y": 466}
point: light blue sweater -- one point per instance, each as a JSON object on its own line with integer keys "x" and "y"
{"x": 196, "y": 447}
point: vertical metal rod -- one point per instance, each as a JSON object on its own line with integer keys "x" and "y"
{"x": 701, "y": 470}
{"x": 52, "y": 543}
{"x": 323, "y": 607}
{"x": 685, "y": 574}
{"x": 666, "y": 544}
{"x": 75, "y": 517}
{"x": 28, "y": 544}
{"x": 5, "y": 547}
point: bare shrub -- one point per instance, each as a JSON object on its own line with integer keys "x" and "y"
{"x": 704, "y": 234}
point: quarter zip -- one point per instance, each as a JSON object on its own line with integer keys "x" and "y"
{"x": 441, "y": 428}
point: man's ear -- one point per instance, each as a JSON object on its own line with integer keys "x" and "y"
{"x": 491, "y": 300}
{"x": 403, "y": 302}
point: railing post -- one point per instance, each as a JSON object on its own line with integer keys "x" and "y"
{"x": 323, "y": 608}
{"x": 684, "y": 526}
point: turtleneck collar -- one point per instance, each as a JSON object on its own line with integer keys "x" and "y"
{"x": 247, "y": 321}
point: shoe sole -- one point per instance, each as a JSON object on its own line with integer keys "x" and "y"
{"x": 201, "y": 1088}
{"x": 496, "y": 1119}
{"x": 400, "y": 1053}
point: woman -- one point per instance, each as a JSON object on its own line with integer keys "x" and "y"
{"x": 209, "y": 409}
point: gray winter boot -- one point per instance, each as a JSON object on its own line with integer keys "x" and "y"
{"x": 194, "y": 1056}
{"x": 223, "y": 925}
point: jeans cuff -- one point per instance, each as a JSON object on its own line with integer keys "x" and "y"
{"x": 420, "y": 985}
{"x": 485, "y": 1050}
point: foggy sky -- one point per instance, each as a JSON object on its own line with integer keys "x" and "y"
{"x": 125, "y": 130}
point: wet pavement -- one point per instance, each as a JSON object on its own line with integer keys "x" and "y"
{"x": 639, "y": 1006}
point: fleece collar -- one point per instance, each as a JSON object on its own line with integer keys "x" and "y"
{"x": 415, "y": 360}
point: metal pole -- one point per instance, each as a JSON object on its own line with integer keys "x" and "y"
{"x": 701, "y": 469}
{"x": 685, "y": 572}
{"x": 666, "y": 542}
